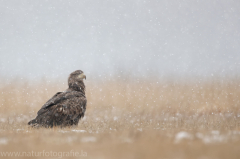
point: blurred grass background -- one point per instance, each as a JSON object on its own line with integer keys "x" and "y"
{"x": 129, "y": 119}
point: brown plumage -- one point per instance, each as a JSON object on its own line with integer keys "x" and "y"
{"x": 64, "y": 108}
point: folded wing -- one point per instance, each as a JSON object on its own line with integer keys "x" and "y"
{"x": 63, "y": 109}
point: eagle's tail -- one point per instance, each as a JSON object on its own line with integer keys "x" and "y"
{"x": 33, "y": 122}
{"x": 41, "y": 121}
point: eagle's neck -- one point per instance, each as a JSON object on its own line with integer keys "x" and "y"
{"x": 77, "y": 86}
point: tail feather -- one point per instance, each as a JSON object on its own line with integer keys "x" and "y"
{"x": 32, "y": 122}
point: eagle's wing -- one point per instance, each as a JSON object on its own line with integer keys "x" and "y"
{"x": 59, "y": 97}
{"x": 53, "y": 101}
{"x": 64, "y": 108}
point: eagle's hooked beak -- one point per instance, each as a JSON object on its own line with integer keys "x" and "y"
{"x": 82, "y": 76}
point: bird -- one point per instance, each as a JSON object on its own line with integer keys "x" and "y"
{"x": 64, "y": 109}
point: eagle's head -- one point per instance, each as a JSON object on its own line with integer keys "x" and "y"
{"x": 76, "y": 79}
{"x": 77, "y": 75}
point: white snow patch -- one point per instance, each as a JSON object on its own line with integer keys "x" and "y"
{"x": 19, "y": 130}
{"x": 139, "y": 129}
{"x": 71, "y": 138}
{"x": 3, "y": 141}
{"x": 89, "y": 139}
{"x": 214, "y": 138}
{"x": 79, "y": 131}
{"x": 183, "y": 136}
{"x": 235, "y": 132}
{"x": 215, "y": 132}
{"x": 3, "y": 120}
{"x": 62, "y": 131}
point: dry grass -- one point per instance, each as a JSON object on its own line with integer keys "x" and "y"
{"x": 140, "y": 119}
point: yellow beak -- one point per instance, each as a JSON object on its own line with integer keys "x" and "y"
{"x": 82, "y": 76}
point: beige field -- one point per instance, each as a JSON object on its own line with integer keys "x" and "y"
{"x": 126, "y": 119}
